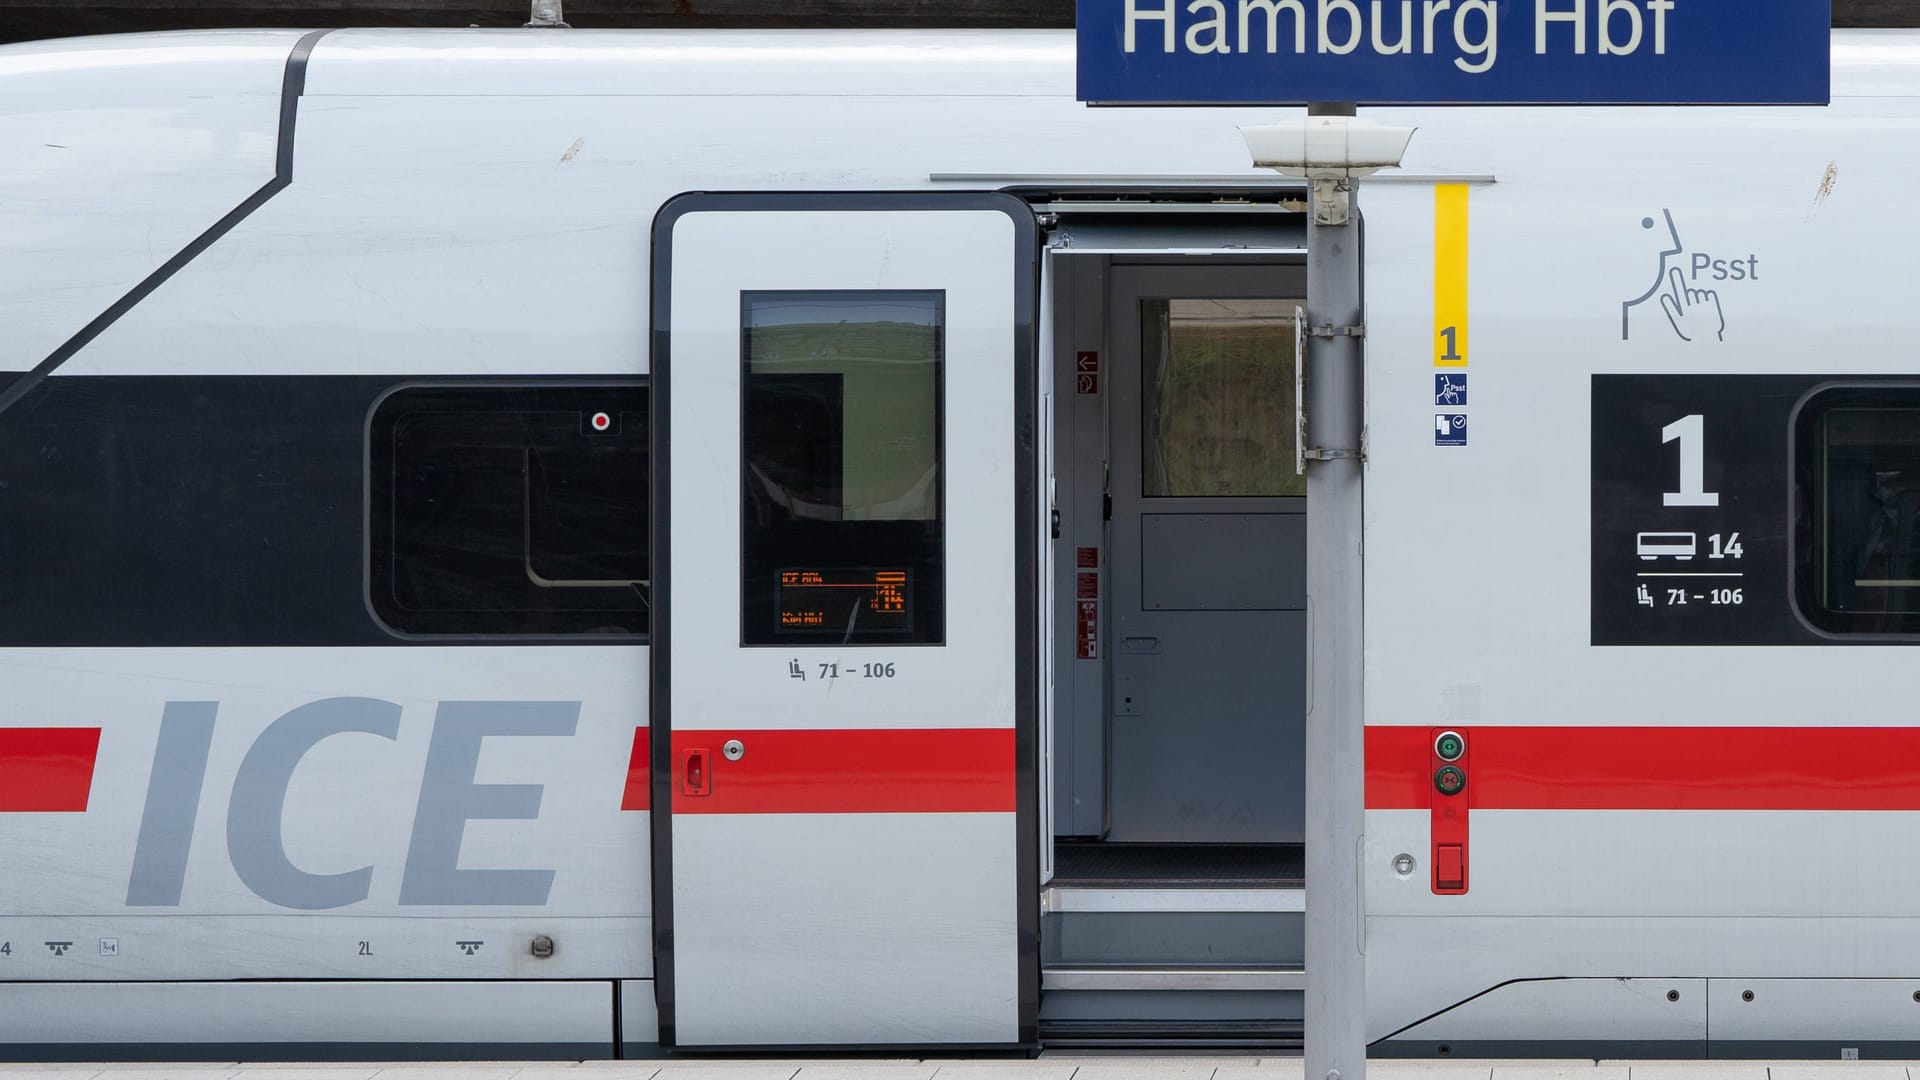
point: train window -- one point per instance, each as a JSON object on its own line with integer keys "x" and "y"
{"x": 1857, "y": 542}
{"x": 509, "y": 510}
{"x": 841, "y": 487}
{"x": 1217, "y": 413}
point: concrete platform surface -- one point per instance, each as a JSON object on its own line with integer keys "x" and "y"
{"x": 1078, "y": 1066}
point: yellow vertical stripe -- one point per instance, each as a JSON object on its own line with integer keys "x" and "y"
{"x": 1450, "y": 275}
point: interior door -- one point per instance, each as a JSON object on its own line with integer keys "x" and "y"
{"x": 1208, "y": 535}
{"x": 844, "y": 659}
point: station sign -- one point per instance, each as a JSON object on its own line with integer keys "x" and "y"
{"x": 1454, "y": 52}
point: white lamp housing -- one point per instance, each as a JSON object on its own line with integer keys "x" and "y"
{"x": 1327, "y": 147}
{"x": 1330, "y": 151}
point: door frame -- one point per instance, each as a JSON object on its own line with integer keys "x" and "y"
{"x": 1026, "y": 494}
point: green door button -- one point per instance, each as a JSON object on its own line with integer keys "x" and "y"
{"x": 1450, "y": 745}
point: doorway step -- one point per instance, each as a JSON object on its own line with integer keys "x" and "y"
{"x": 1173, "y": 945}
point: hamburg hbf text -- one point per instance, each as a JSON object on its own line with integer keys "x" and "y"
{"x": 1469, "y": 29}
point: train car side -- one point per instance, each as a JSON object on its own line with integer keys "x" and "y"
{"x": 316, "y": 730}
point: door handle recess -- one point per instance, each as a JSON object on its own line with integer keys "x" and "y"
{"x": 696, "y": 775}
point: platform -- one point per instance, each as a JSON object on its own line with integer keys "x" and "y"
{"x": 1046, "y": 1067}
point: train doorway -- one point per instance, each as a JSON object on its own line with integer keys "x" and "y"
{"x": 1174, "y": 902}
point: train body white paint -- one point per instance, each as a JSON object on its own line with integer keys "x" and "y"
{"x": 458, "y": 209}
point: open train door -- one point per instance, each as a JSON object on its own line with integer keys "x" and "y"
{"x": 844, "y": 664}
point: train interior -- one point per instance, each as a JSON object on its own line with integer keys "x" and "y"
{"x": 1173, "y": 899}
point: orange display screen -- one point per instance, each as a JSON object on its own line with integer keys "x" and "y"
{"x": 841, "y": 600}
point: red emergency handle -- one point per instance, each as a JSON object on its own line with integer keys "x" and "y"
{"x": 695, "y": 777}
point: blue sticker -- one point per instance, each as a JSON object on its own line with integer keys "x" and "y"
{"x": 1450, "y": 390}
{"x": 1450, "y": 429}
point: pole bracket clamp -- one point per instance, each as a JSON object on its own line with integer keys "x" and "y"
{"x": 1322, "y": 453}
{"x": 1329, "y": 330}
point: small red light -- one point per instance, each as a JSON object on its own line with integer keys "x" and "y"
{"x": 601, "y": 421}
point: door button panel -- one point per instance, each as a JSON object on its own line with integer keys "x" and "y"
{"x": 1449, "y": 798}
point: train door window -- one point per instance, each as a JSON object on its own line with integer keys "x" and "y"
{"x": 1217, "y": 409}
{"x": 1857, "y": 542}
{"x": 511, "y": 509}
{"x": 841, "y": 487}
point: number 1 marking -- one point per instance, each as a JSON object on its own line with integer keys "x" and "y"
{"x": 1691, "y": 432}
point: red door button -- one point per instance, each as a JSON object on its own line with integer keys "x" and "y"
{"x": 1450, "y": 867}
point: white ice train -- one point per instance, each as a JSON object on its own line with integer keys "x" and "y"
{"x": 573, "y": 543}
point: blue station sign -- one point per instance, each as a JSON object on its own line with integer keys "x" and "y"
{"x": 1454, "y": 52}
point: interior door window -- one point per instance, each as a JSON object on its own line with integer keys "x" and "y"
{"x": 1217, "y": 408}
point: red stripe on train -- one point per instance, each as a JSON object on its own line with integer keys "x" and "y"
{"x": 639, "y": 793}
{"x": 924, "y": 771}
{"x": 46, "y": 770}
{"x": 1657, "y": 768}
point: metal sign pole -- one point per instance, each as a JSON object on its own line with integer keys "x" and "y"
{"x": 1332, "y": 150}
{"x": 1336, "y": 1044}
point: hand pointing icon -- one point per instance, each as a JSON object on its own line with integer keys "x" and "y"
{"x": 1693, "y": 312}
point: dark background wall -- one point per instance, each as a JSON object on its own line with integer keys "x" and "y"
{"x": 26, "y": 19}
